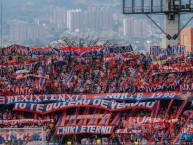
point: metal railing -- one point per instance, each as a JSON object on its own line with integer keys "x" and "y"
{"x": 157, "y": 9}
{"x": 143, "y": 9}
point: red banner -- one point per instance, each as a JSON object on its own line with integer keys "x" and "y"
{"x": 25, "y": 121}
{"x": 176, "y": 68}
{"x": 14, "y": 49}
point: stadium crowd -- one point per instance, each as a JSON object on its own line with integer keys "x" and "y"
{"x": 144, "y": 131}
{"x": 131, "y": 72}
{"x": 23, "y": 121}
{"x": 112, "y": 73}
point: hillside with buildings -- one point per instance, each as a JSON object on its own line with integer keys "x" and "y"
{"x": 39, "y": 22}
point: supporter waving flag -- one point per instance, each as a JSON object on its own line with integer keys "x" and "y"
{"x": 134, "y": 74}
{"x": 42, "y": 79}
{"x": 70, "y": 77}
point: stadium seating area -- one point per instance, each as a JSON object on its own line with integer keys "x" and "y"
{"x": 113, "y": 73}
{"x": 97, "y": 74}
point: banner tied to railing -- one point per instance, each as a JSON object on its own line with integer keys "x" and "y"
{"x": 74, "y": 51}
{"x": 94, "y": 129}
{"x": 149, "y": 120}
{"x": 18, "y": 121}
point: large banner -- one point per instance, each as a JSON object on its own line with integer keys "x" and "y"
{"x": 156, "y": 87}
{"x": 92, "y": 51}
{"x": 97, "y": 103}
{"x": 120, "y": 49}
{"x": 40, "y": 51}
{"x": 94, "y": 129}
{"x": 110, "y": 96}
{"x": 146, "y": 123}
{"x": 18, "y": 121}
{"x": 147, "y": 120}
{"x": 158, "y": 51}
{"x": 22, "y": 50}
{"x": 77, "y": 51}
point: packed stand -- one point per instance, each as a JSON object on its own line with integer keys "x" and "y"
{"x": 130, "y": 73}
{"x": 12, "y": 120}
{"x": 113, "y": 73}
{"x": 135, "y": 125}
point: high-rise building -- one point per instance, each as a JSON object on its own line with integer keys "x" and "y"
{"x": 186, "y": 39}
{"x": 93, "y": 19}
{"x": 135, "y": 28}
{"x": 74, "y": 18}
{"x": 58, "y": 17}
{"x": 21, "y": 32}
{"x": 99, "y": 18}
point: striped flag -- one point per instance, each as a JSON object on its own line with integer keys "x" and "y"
{"x": 116, "y": 119}
{"x": 70, "y": 77}
{"x": 84, "y": 121}
{"x": 42, "y": 80}
{"x": 62, "y": 120}
{"x": 164, "y": 77}
{"x": 94, "y": 121}
{"x": 105, "y": 121}
{"x": 134, "y": 74}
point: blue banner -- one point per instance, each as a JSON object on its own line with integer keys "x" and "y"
{"x": 186, "y": 95}
{"x": 96, "y": 103}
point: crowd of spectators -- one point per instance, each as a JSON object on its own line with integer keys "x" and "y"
{"x": 13, "y": 119}
{"x": 144, "y": 131}
{"x": 113, "y": 73}
{"x": 130, "y": 72}
{"x": 10, "y": 119}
